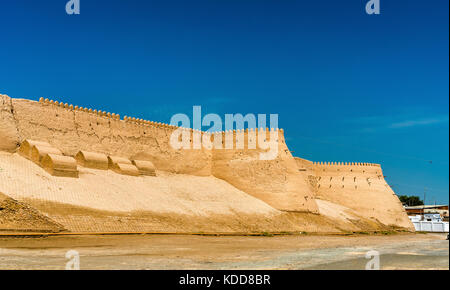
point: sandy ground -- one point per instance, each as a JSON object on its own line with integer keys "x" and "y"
{"x": 399, "y": 251}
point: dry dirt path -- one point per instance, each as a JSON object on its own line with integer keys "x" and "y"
{"x": 401, "y": 251}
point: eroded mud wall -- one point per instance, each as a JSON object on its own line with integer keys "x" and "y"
{"x": 284, "y": 183}
{"x": 9, "y": 137}
{"x": 278, "y": 182}
{"x": 361, "y": 187}
{"x": 72, "y": 130}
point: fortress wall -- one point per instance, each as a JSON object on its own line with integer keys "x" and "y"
{"x": 277, "y": 182}
{"x": 285, "y": 183}
{"x": 9, "y": 137}
{"x": 304, "y": 164}
{"x": 361, "y": 187}
{"x": 71, "y": 129}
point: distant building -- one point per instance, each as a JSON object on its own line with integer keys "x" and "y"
{"x": 442, "y": 210}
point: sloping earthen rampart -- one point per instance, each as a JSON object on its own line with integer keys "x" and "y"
{"x": 72, "y": 129}
{"x": 283, "y": 183}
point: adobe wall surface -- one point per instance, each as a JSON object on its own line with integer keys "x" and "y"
{"x": 278, "y": 182}
{"x": 71, "y": 131}
{"x": 230, "y": 189}
{"x": 104, "y": 201}
{"x": 9, "y": 137}
{"x": 360, "y": 187}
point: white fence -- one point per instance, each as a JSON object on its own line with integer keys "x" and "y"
{"x": 437, "y": 227}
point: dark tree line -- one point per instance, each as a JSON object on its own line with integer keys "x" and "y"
{"x": 412, "y": 200}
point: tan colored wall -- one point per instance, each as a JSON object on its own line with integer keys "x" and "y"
{"x": 278, "y": 182}
{"x": 304, "y": 164}
{"x": 285, "y": 183}
{"x": 361, "y": 187}
{"x": 71, "y": 131}
{"x": 9, "y": 138}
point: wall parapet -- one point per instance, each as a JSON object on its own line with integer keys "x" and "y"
{"x": 143, "y": 122}
{"x": 345, "y": 164}
{"x": 104, "y": 114}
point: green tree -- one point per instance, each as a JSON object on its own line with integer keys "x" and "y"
{"x": 412, "y": 200}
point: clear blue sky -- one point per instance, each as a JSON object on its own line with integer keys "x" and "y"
{"x": 347, "y": 86}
